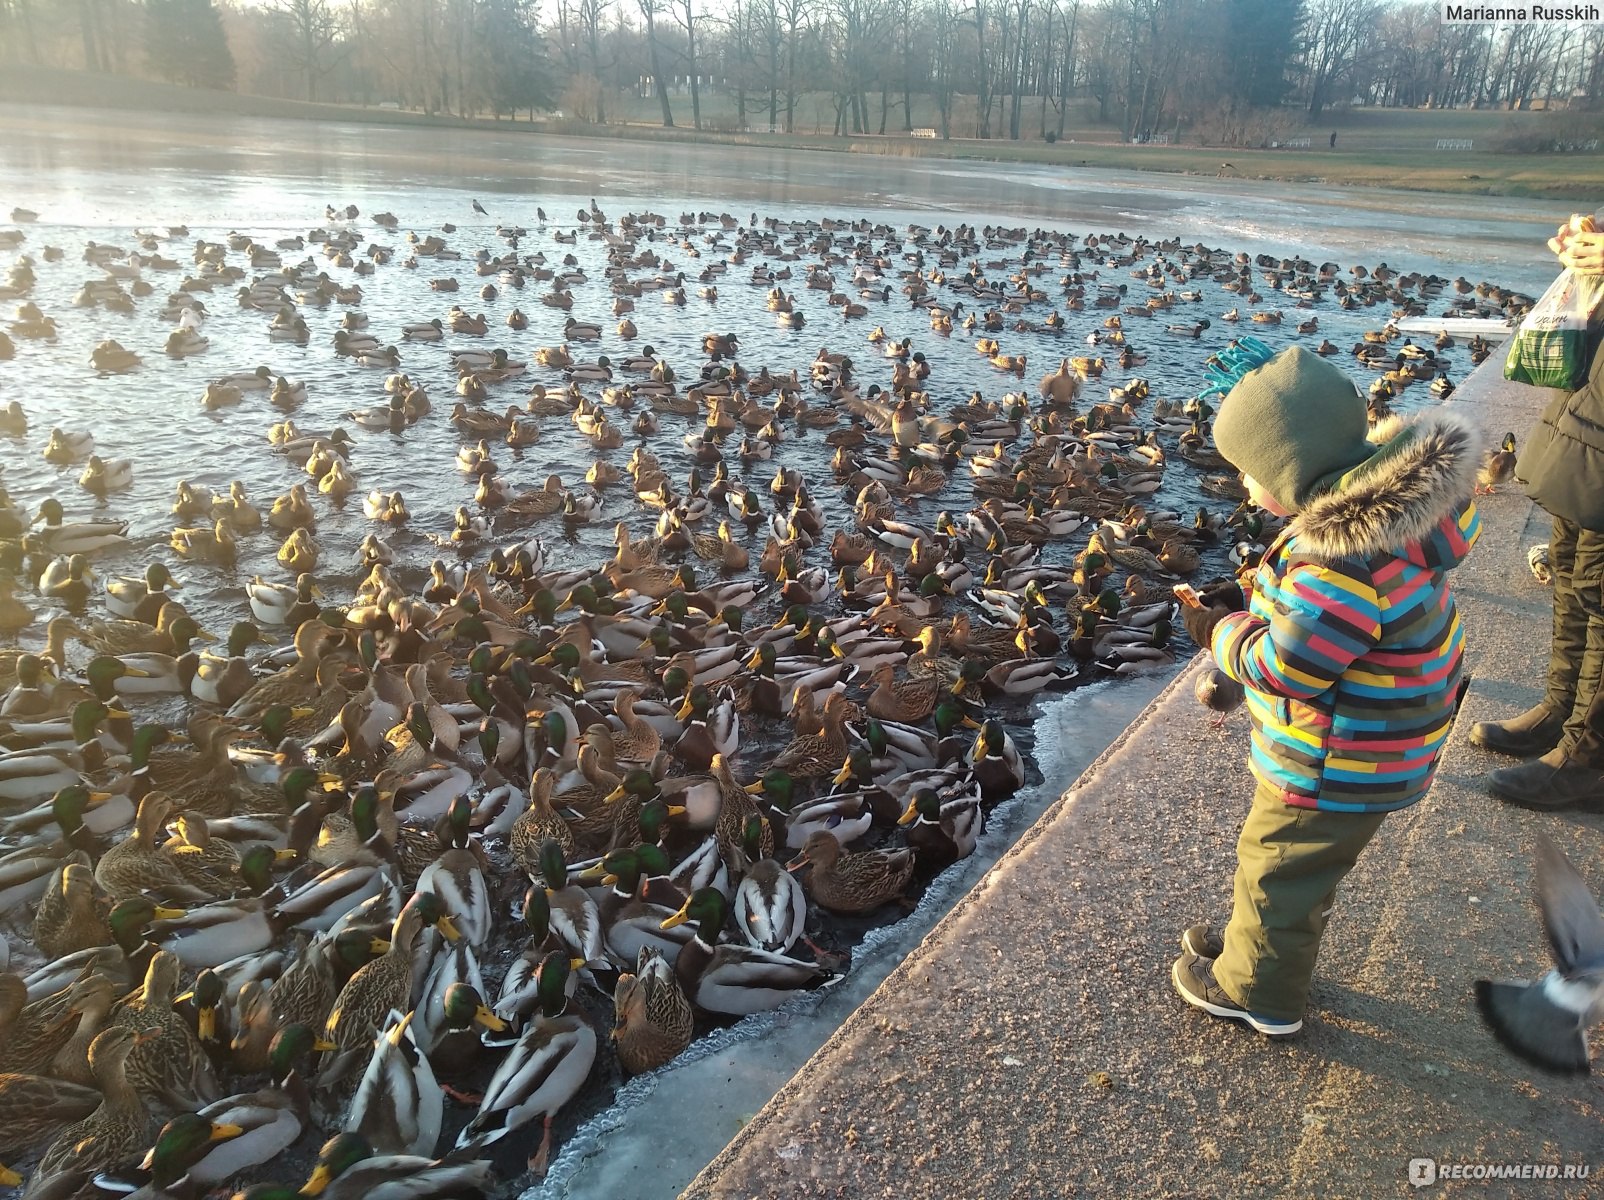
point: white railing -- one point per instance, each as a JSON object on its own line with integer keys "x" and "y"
{"x": 922, "y": 133}
{"x": 1456, "y": 144}
{"x": 1294, "y": 144}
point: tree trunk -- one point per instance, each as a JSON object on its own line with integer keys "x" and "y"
{"x": 1066, "y": 72}
{"x": 595, "y": 69}
{"x": 86, "y": 30}
{"x": 1019, "y": 72}
{"x": 907, "y": 86}
{"x": 790, "y": 75}
{"x": 690, "y": 51}
{"x": 311, "y": 62}
{"x": 983, "y": 97}
{"x": 657, "y": 70}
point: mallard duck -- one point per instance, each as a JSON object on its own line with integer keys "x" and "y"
{"x": 457, "y": 876}
{"x": 140, "y": 599}
{"x": 31, "y": 694}
{"x": 291, "y": 511}
{"x": 35, "y": 1108}
{"x": 68, "y": 579}
{"x": 575, "y": 919}
{"x": 172, "y": 1064}
{"x": 637, "y": 741}
{"x": 852, "y": 883}
{"x": 1499, "y": 466}
{"x": 347, "y": 1169}
{"x": 995, "y": 762}
{"x": 305, "y": 993}
{"x": 942, "y": 831}
{"x": 652, "y": 1020}
{"x": 539, "y": 822}
{"x": 221, "y": 679}
{"x": 631, "y": 921}
{"x": 299, "y": 553}
{"x": 216, "y": 545}
{"x": 60, "y": 536}
{"x": 117, "y": 1130}
{"x": 727, "y": 978}
{"x": 907, "y": 701}
{"x": 173, "y": 632}
{"x": 137, "y": 865}
{"x": 14, "y": 614}
{"x": 101, "y": 476}
{"x": 207, "y": 861}
{"x": 296, "y": 685}
{"x": 1021, "y": 677}
{"x": 68, "y": 446}
{"x": 68, "y": 918}
{"x": 770, "y": 906}
{"x": 811, "y": 755}
{"x": 540, "y": 1074}
{"x": 284, "y": 604}
{"x": 712, "y": 729}
{"x": 363, "y": 1005}
{"x": 399, "y": 1105}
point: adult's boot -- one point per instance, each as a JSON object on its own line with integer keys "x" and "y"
{"x": 1535, "y": 731}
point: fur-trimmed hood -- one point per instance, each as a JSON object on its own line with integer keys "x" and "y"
{"x": 1424, "y": 473}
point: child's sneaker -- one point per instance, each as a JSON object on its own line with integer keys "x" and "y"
{"x": 1202, "y": 941}
{"x": 1193, "y": 976}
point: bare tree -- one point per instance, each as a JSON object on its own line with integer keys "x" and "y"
{"x": 794, "y": 12}
{"x": 649, "y": 9}
{"x": 1333, "y": 35}
{"x": 313, "y": 30}
{"x": 591, "y": 15}
{"x": 688, "y": 23}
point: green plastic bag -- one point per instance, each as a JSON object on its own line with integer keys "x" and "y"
{"x": 1555, "y": 344}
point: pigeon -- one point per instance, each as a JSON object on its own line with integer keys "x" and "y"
{"x": 1218, "y": 691}
{"x": 1546, "y": 1023}
{"x": 1537, "y": 560}
{"x": 480, "y": 209}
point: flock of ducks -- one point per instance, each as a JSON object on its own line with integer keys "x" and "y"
{"x": 413, "y": 854}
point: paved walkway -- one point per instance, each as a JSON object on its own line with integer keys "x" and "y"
{"x": 1031, "y": 1046}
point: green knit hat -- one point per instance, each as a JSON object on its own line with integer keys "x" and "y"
{"x": 1296, "y": 424}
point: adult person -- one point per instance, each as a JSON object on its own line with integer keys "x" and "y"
{"x": 1562, "y": 466}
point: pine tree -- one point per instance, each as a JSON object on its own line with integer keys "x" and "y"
{"x": 185, "y": 43}
{"x": 1263, "y": 36}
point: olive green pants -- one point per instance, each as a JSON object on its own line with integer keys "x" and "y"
{"x": 1576, "y": 658}
{"x": 1288, "y": 864}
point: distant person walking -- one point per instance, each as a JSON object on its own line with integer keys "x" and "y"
{"x": 1333, "y": 139}
{"x": 1349, "y": 646}
{"x": 1562, "y": 466}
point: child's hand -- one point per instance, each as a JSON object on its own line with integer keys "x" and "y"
{"x": 1225, "y": 593}
{"x": 1200, "y": 622}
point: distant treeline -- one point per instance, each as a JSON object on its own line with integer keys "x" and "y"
{"x": 1225, "y": 72}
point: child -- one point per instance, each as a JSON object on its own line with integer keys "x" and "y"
{"x": 1349, "y": 649}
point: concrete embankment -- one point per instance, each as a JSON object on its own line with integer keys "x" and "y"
{"x": 1031, "y": 1046}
